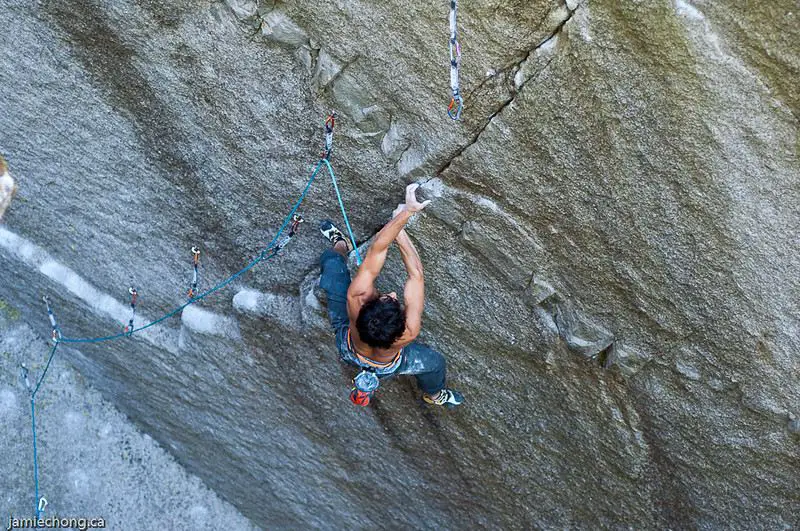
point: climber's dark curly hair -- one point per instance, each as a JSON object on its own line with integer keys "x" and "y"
{"x": 380, "y": 322}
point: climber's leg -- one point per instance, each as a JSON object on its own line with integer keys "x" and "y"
{"x": 430, "y": 369}
{"x": 335, "y": 277}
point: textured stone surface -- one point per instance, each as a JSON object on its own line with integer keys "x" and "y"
{"x": 610, "y": 255}
{"x": 92, "y": 462}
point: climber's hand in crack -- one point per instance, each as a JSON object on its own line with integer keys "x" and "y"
{"x": 412, "y": 204}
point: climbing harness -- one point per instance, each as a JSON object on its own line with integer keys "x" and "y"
{"x": 267, "y": 253}
{"x": 195, "y": 265}
{"x": 297, "y": 219}
{"x": 456, "y": 102}
{"x": 330, "y": 122}
{"x": 367, "y": 381}
{"x": 134, "y": 296}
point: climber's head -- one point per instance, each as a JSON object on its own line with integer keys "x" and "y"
{"x": 381, "y": 321}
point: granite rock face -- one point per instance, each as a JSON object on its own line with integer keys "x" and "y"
{"x": 610, "y": 255}
{"x": 95, "y": 464}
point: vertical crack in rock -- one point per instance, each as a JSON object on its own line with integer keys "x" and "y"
{"x": 515, "y": 65}
{"x": 514, "y": 91}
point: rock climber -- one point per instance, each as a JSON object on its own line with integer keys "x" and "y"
{"x": 375, "y": 331}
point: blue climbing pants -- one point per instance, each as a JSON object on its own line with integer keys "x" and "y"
{"x": 426, "y": 364}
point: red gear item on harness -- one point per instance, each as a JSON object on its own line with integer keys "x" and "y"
{"x": 360, "y": 398}
{"x": 364, "y": 385}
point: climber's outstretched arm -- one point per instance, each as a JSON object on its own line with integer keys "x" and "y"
{"x": 362, "y": 288}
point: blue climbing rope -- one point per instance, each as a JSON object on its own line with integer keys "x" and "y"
{"x": 47, "y": 366}
{"x": 344, "y": 213}
{"x": 269, "y": 252}
{"x": 266, "y": 254}
{"x": 37, "y": 502}
{"x": 35, "y": 462}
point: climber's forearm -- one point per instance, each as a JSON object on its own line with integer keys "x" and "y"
{"x": 389, "y": 232}
{"x": 409, "y": 254}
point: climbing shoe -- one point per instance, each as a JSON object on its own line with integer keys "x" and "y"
{"x": 334, "y": 235}
{"x": 446, "y": 397}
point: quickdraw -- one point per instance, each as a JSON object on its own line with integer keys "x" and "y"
{"x": 24, "y": 376}
{"x": 56, "y": 335}
{"x": 330, "y": 123}
{"x": 134, "y": 295}
{"x": 195, "y": 264}
{"x": 297, "y": 219}
{"x": 456, "y": 102}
